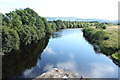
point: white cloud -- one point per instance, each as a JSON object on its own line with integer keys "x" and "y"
{"x": 71, "y": 56}
{"x": 68, "y": 65}
{"x": 49, "y": 51}
{"x": 101, "y": 70}
{"x": 27, "y": 72}
{"x": 48, "y": 67}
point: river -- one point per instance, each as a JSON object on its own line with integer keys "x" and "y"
{"x": 67, "y": 50}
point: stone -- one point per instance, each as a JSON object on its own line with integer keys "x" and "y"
{"x": 58, "y": 73}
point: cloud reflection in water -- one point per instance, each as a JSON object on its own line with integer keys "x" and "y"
{"x": 67, "y": 65}
{"x": 99, "y": 70}
{"x": 48, "y": 67}
{"x": 50, "y": 51}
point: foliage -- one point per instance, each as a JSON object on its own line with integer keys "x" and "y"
{"x": 21, "y": 27}
{"x": 116, "y": 55}
{"x": 47, "y": 26}
{"x": 100, "y": 25}
{"x": 10, "y": 39}
{"x": 108, "y": 43}
{"x": 24, "y": 26}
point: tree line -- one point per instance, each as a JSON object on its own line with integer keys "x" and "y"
{"x": 24, "y": 26}
{"x": 21, "y": 27}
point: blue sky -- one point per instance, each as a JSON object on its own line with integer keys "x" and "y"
{"x": 98, "y": 9}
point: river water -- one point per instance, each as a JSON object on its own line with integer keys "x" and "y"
{"x": 67, "y": 50}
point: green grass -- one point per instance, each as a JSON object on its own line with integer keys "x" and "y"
{"x": 107, "y": 39}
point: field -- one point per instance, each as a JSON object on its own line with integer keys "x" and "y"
{"x": 114, "y": 38}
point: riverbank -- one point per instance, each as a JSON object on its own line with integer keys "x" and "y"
{"x": 106, "y": 39}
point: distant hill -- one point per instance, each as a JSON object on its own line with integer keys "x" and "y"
{"x": 78, "y": 19}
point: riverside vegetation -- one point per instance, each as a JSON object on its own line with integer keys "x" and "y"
{"x": 24, "y": 26}
{"x": 105, "y": 38}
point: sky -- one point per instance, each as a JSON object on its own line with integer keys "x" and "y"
{"x": 86, "y": 9}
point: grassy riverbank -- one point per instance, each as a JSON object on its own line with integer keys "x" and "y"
{"x": 106, "y": 39}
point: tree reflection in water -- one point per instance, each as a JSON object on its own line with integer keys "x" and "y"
{"x": 15, "y": 62}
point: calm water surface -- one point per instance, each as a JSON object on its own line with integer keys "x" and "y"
{"x": 70, "y": 51}
{"x": 66, "y": 50}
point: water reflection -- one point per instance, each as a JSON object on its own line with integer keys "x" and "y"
{"x": 68, "y": 65}
{"x": 49, "y": 51}
{"x": 55, "y": 35}
{"x": 71, "y": 56}
{"x": 70, "y": 52}
{"x": 97, "y": 50}
{"x": 101, "y": 70}
{"x": 14, "y": 63}
{"x": 48, "y": 67}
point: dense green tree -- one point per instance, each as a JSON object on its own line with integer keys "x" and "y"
{"x": 47, "y": 26}
{"x": 26, "y": 25}
{"x": 53, "y": 26}
{"x": 10, "y": 39}
{"x": 60, "y": 24}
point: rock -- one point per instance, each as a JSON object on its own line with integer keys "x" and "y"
{"x": 58, "y": 73}
{"x": 64, "y": 77}
{"x": 84, "y": 78}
